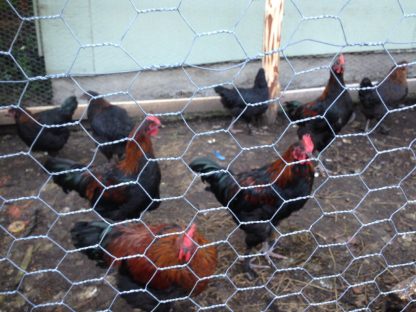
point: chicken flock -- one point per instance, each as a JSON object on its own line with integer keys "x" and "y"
{"x": 168, "y": 260}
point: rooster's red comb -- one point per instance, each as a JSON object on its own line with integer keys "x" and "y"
{"x": 341, "y": 59}
{"x": 187, "y": 239}
{"x": 308, "y": 143}
{"x": 154, "y": 119}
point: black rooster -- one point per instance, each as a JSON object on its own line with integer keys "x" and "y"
{"x": 141, "y": 175}
{"x": 335, "y": 104}
{"x": 272, "y": 186}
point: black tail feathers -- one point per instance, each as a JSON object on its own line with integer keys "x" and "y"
{"x": 89, "y": 234}
{"x": 206, "y": 165}
{"x": 68, "y": 181}
{"x": 366, "y": 82}
{"x": 365, "y": 96}
{"x": 291, "y": 109}
{"x": 260, "y": 81}
{"x": 69, "y": 106}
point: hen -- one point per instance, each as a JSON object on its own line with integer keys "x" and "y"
{"x": 335, "y": 104}
{"x": 108, "y": 123}
{"x": 271, "y": 187}
{"x": 51, "y": 140}
{"x": 390, "y": 92}
{"x": 235, "y": 101}
{"x": 137, "y": 172}
{"x": 139, "y": 273}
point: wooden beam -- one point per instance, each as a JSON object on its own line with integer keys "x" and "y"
{"x": 137, "y": 109}
{"x": 271, "y": 43}
{"x": 199, "y": 104}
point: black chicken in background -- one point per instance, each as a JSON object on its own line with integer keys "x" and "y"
{"x": 30, "y": 130}
{"x": 108, "y": 123}
{"x": 236, "y": 100}
{"x": 391, "y": 92}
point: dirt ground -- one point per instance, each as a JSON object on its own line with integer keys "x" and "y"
{"x": 350, "y": 243}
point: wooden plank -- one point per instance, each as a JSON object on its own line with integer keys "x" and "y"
{"x": 137, "y": 109}
{"x": 271, "y": 43}
{"x": 196, "y": 105}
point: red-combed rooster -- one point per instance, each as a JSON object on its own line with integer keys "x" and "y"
{"x": 392, "y": 91}
{"x": 141, "y": 174}
{"x": 335, "y": 104}
{"x": 51, "y": 140}
{"x": 267, "y": 198}
{"x": 108, "y": 123}
{"x": 188, "y": 250}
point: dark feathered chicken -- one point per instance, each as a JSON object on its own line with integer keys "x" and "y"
{"x": 235, "y": 101}
{"x": 335, "y": 104}
{"x": 108, "y": 123}
{"x": 271, "y": 184}
{"x": 137, "y": 169}
{"x": 139, "y": 273}
{"x": 387, "y": 94}
{"x": 50, "y": 140}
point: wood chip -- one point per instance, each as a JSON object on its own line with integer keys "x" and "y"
{"x": 17, "y": 226}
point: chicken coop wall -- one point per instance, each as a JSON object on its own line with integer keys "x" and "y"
{"x": 166, "y": 36}
{"x": 81, "y": 39}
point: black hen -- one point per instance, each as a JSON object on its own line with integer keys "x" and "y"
{"x": 391, "y": 92}
{"x": 108, "y": 123}
{"x": 50, "y": 140}
{"x": 235, "y": 101}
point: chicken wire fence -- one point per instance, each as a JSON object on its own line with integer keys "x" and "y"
{"x": 348, "y": 249}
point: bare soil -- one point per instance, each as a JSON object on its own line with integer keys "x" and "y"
{"x": 350, "y": 243}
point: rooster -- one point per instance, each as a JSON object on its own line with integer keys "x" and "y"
{"x": 108, "y": 123}
{"x": 236, "y": 101}
{"x": 51, "y": 140}
{"x": 138, "y": 173}
{"x": 334, "y": 104}
{"x": 147, "y": 253}
{"x": 270, "y": 189}
{"x": 388, "y": 94}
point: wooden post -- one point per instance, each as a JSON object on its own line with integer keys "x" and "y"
{"x": 271, "y": 42}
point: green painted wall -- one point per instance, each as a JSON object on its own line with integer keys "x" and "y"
{"x": 145, "y": 36}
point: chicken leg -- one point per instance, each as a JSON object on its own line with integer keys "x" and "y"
{"x": 367, "y": 126}
{"x": 232, "y": 130}
{"x": 384, "y": 130}
{"x": 267, "y": 251}
{"x": 248, "y": 266}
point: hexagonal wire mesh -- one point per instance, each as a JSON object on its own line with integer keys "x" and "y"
{"x": 348, "y": 249}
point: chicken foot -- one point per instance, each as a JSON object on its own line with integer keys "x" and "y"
{"x": 383, "y": 129}
{"x": 232, "y": 130}
{"x": 267, "y": 251}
